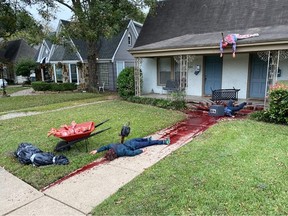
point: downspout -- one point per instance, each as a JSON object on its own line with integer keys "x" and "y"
{"x": 277, "y": 66}
{"x": 267, "y": 78}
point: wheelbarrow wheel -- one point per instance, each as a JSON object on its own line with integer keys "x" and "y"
{"x": 62, "y": 146}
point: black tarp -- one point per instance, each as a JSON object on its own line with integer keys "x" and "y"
{"x": 26, "y": 153}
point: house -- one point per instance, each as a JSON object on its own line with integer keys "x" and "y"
{"x": 69, "y": 63}
{"x": 41, "y": 57}
{"x": 10, "y": 53}
{"x": 180, "y": 41}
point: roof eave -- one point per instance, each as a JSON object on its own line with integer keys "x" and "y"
{"x": 204, "y": 50}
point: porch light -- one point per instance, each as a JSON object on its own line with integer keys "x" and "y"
{"x": 197, "y": 70}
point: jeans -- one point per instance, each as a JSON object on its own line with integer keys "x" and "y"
{"x": 138, "y": 143}
{"x": 235, "y": 108}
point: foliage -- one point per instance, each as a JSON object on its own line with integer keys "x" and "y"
{"x": 126, "y": 83}
{"x": 233, "y": 168}
{"x": 17, "y": 23}
{"x": 144, "y": 120}
{"x": 28, "y": 29}
{"x": 278, "y": 106}
{"x": 7, "y": 20}
{"x": 44, "y": 86}
{"x": 159, "y": 102}
{"x": 94, "y": 20}
{"x": 25, "y": 66}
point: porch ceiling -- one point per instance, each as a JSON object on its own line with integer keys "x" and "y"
{"x": 271, "y": 38}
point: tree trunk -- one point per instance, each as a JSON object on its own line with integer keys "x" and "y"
{"x": 92, "y": 66}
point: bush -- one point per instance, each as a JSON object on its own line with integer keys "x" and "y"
{"x": 25, "y": 66}
{"x": 162, "y": 103}
{"x": 278, "y": 106}
{"x": 41, "y": 86}
{"x": 44, "y": 86}
{"x": 126, "y": 83}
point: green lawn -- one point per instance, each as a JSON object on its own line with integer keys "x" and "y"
{"x": 144, "y": 120}
{"x": 233, "y": 168}
{"x": 12, "y": 89}
{"x": 47, "y": 101}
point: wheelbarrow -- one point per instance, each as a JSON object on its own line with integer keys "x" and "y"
{"x": 74, "y": 133}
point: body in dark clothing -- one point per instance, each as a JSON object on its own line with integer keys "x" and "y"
{"x": 230, "y": 109}
{"x": 131, "y": 147}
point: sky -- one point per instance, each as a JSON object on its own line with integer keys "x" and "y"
{"x": 63, "y": 13}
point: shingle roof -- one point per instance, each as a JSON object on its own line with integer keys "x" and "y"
{"x": 17, "y": 49}
{"x": 106, "y": 50}
{"x": 179, "y": 23}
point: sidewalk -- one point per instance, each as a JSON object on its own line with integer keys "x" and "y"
{"x": 84, "y": 189}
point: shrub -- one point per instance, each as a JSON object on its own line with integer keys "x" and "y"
{"x": 162, "y": 103}
{"x": 25, "y": 66}
{"x": 41, "y": 86}
{"x": 278, "y": 106}
{"x": 44, "y": 86}
{"x": 126, "y": 83}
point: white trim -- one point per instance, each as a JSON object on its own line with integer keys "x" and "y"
{"x": 123, "y": 66}
{"x": 241, "y": 48}
{"x": 123, "y": 36}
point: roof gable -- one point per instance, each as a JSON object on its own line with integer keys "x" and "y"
{"x": 17, "y": 49}
{"x": 107, "y": 47}
{"x": 174, "y": 18}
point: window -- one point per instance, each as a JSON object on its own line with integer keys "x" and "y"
{"x": 167, "y": 69}
{"x": 73, "y": 74}
{"x": 129, "y": 40}
{"x": 120, "y": 65}
{"x": 59, "y": 75}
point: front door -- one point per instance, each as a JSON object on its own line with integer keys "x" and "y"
{"x": 213, "y": 74}
{"x": 257, "y": 78}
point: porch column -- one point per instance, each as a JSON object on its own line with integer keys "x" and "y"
{"x": 273, "y": 58}
{"x": 137, "y": 76}
{"x": 183, "y": 71}
{"x": 184, "y": 61}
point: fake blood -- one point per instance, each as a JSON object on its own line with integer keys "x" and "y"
{"x": 195, "y": 123}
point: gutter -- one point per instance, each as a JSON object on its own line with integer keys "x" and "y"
{"x": 241, "y": 48}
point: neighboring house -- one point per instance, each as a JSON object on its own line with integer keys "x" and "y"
{"x": 41, "y": 57}
{"x": 11, "y": 52}
{"x": 70, "y": 64}
{"x": 180, "y": 41}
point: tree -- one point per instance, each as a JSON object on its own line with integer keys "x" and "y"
{"x": 16, "y": 23}
{"x": 7, "y": 20}
{"x": 24, "y": 67}
{"x": 94, "y": 19}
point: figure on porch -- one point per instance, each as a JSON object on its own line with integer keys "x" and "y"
{"x": 130, "y": 147}
{"x": 231, "y": 39}
{"x": 230, "y": 108}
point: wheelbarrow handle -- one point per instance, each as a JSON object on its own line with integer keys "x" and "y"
{"x": 101, "y": 123}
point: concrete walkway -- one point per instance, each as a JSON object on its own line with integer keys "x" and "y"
{"x": 81, "y": 191}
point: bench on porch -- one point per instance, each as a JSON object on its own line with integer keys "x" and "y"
{"x": 225, "y": 94}
{"x": 171, "y": 86}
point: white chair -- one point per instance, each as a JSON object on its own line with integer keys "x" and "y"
{"x": 101, "y": 87}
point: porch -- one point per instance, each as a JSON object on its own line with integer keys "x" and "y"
{"x": 198, "y": 102}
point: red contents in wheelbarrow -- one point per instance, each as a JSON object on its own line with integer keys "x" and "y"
{"x": 73, "y": 131}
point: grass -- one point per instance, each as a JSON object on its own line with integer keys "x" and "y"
{"x": 33, "y": 129}
{"x": 12, "y": 89}
{"x": 233, "y": 168}
{"x": 47, "y": 101}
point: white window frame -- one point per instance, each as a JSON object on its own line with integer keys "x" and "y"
{"x": 120, "y": 65}
{"x": 129, "y": 39}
